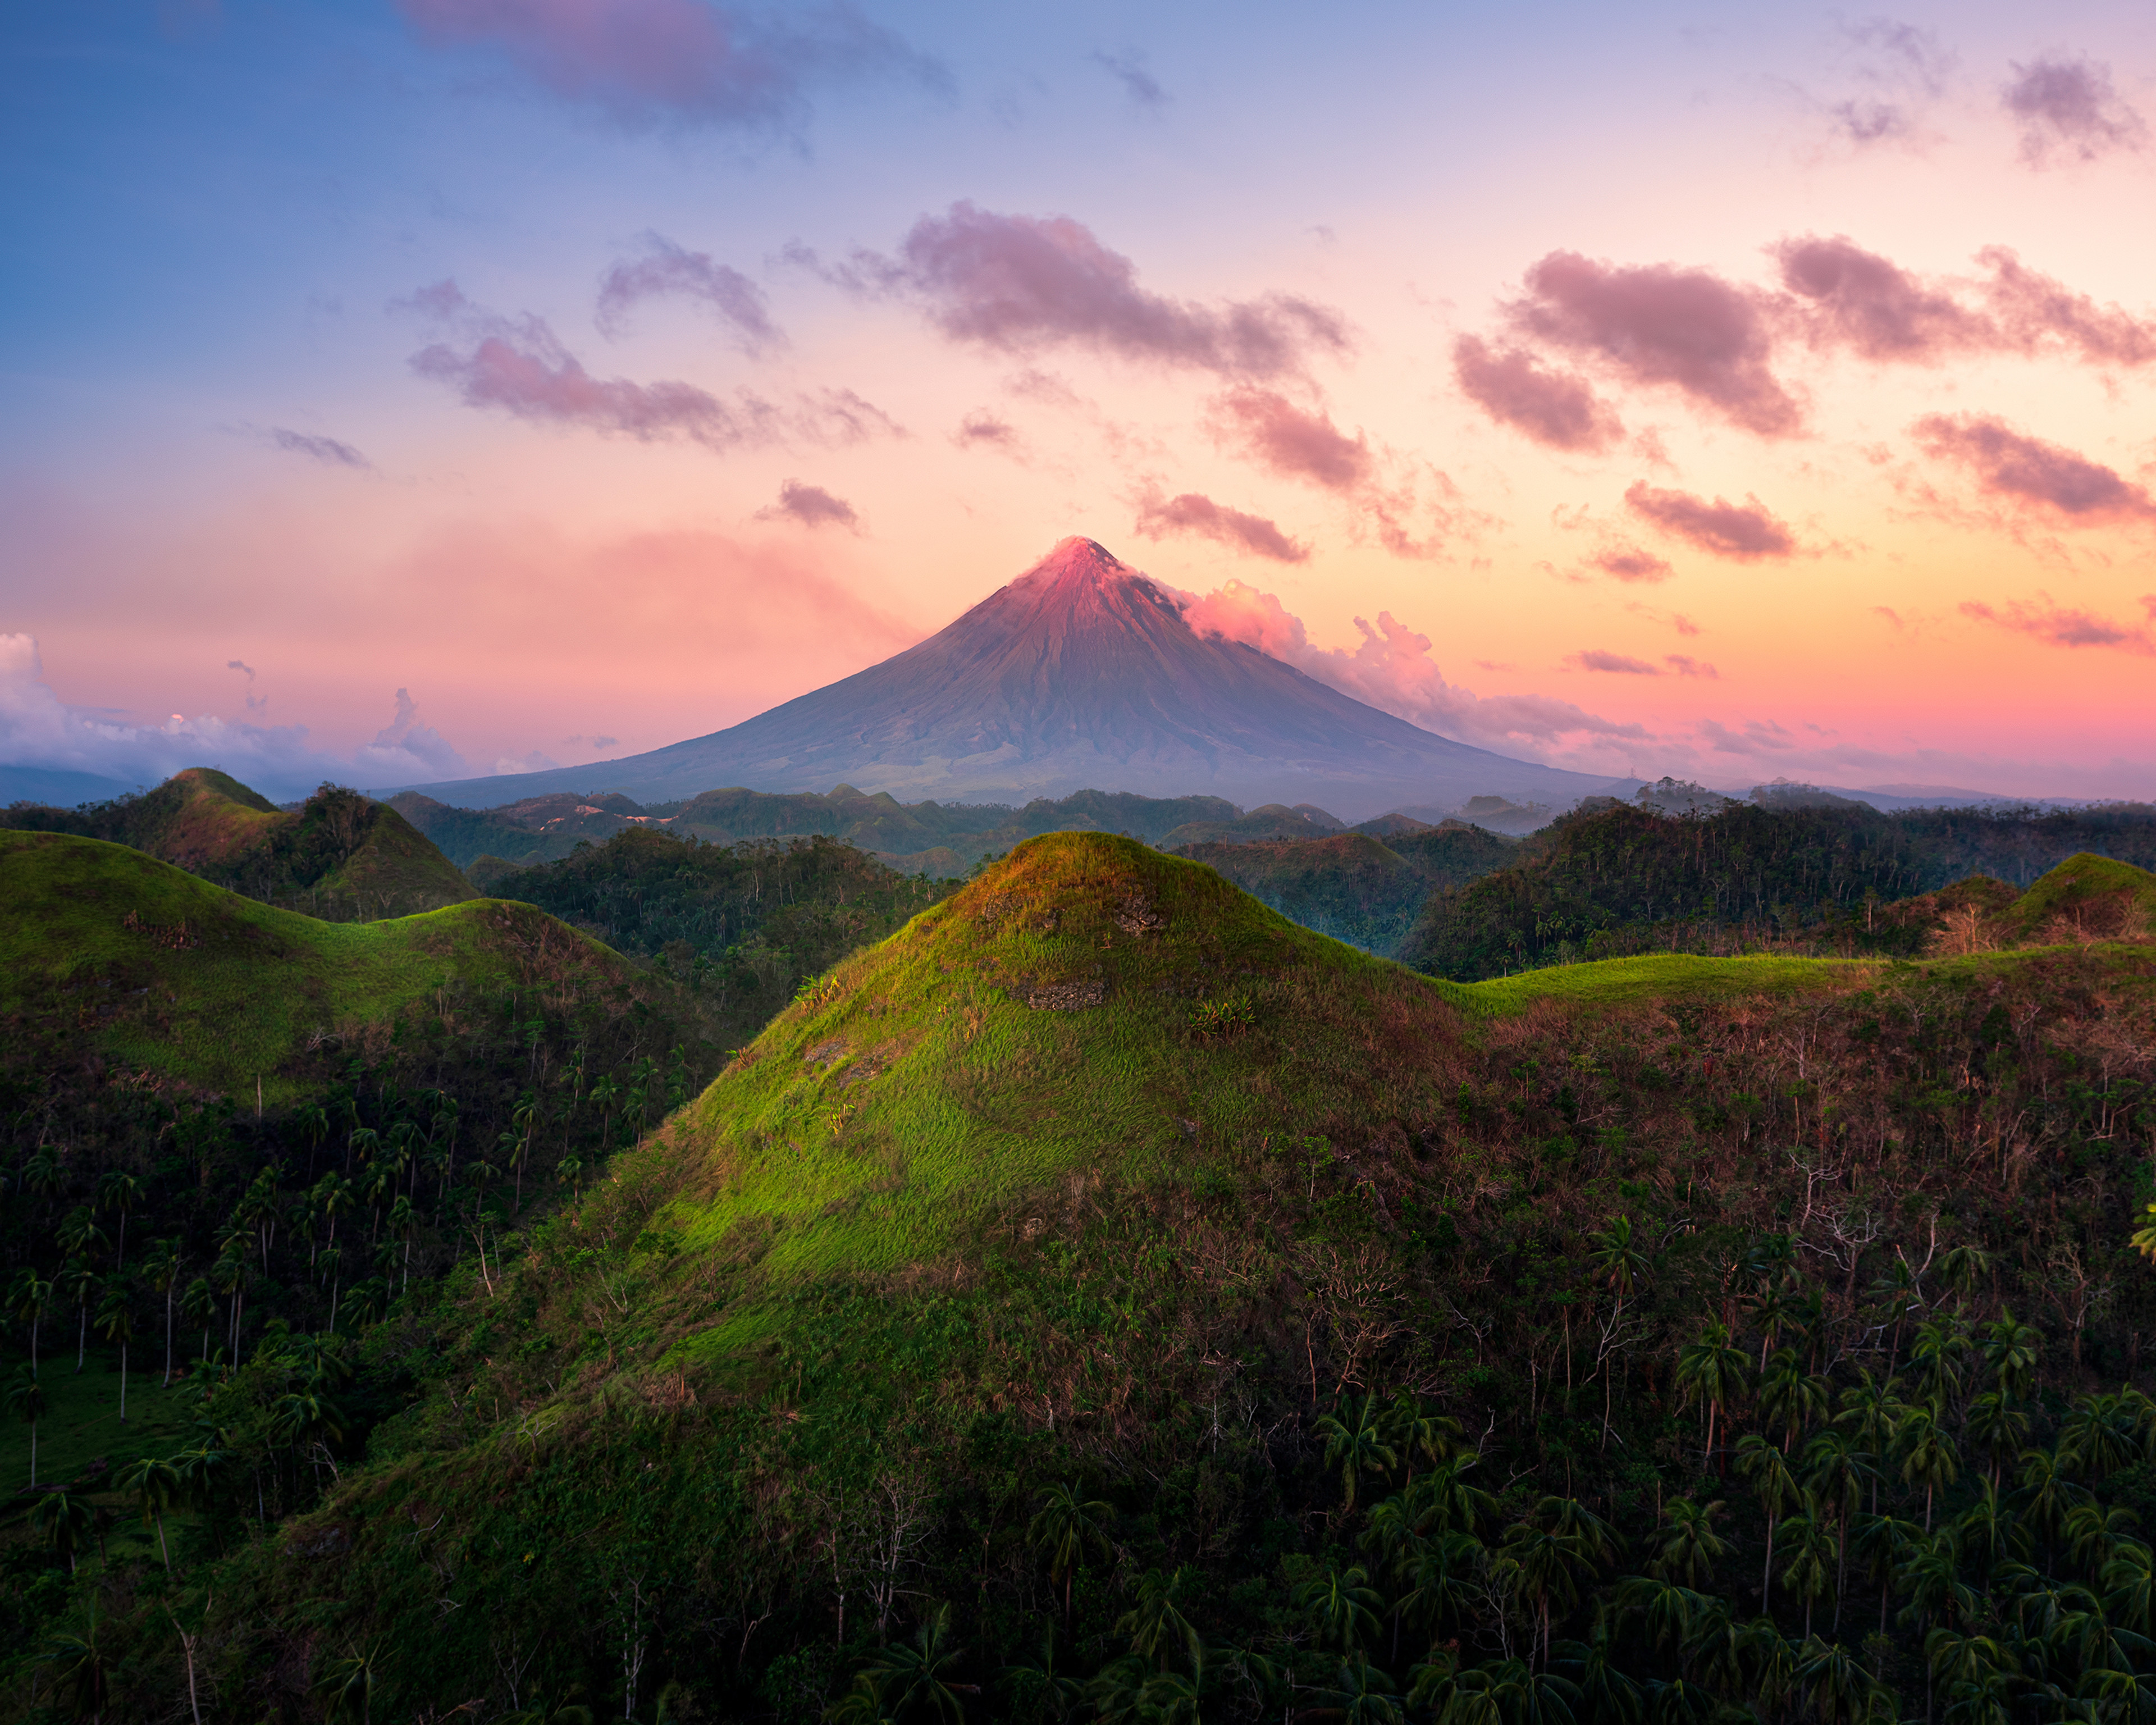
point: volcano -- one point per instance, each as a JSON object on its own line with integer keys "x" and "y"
{"x": 1082, "y": 674}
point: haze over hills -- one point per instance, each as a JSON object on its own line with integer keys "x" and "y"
{"x": 1080, "y": 673}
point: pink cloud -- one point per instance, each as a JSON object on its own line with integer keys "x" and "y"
{"x": 2068, "y": 108}
{"x": 2034, "y": 312}
{"x": 2028, "y": 471}
{"x": 810, "y": 506}
{"x": 669, "y": 270}
{"x": 1861, "y": 300}
{"x": 645, "y": 61}
{"x": 1659, "y": 324}
{"x": 1628, "y": 562}
{"x": 1595, "y": 659}
{"x": 1196, "y": 514}
{"x": 1393, "y": 669}
{"x": 1557, "y": 409}
{"x": 520, "y": 367}
{"x": 1744, "y": 532}
{"x": 2042, "y": 619}
{"x": 1277, "y": 433}
{"x": 1019, "y": 284}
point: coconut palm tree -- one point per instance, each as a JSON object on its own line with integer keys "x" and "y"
{"x": 1790, "y": 1398}
{"x": 198, "y": 1305}
{"x": 1342, "y": 1605}
{"x": 1357, "y": 1445}
{"x": 2099, "y": 1434}
{"x": 26, "y": 1401}
{"x": 1996, "y": 1428}
{"x": 29, "y": 1297}
{"x": 1835, "y": 1473}
{"x": 1836, "y": 1690}
{"x": 1928, "y": 1457}
{"x": 1711, "y": 1371}
{"x": 155, "y": 1483}
{"x": 67, "y": 1520}
{"x": 79, "y": 1662}
{"x": 116, "y": 1323}
{"x": 77, "y": 1282}
{"x": 920, "y": 1672}
{"x": 1807, "y": 1569}
{"x": 1773, "y": 1485}
{"x": 1689, "y": 1546}
{"x": 1359, "y": 1694}
{"x": 161, "y": 1270}
{"x": 1064, "y": 1525}
{"x": 2011, "y": 1350}
{"x": 1156, "y": 1624}
{"x": 1870, "y": 1409}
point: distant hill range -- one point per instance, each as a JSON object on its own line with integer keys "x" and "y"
{"x": 339, "y": 856}
{"x": 1082, "y": 672}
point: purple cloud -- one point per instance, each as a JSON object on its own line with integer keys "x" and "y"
{"x": 1141, "y": 89}
{"x": 1019, "y": 284}
{"x": 1555, "y": 408}
{"x": 1860, "y": 300}
{"x": 1685, "y": 665}
{"x": 520, "y": 367}
{"x": 981, "y": 429}
{"x": 1275, "y": 431}
{"x": 325, "y": 449}
{"x": 2034, "y": 311}
{"x": 1192, "y": 513}
{"x": 2043, "y": 620}
{"x": 2068, "y": 108}
{"x": 1744, "y": 532}
{"x": 1662, "y": 325}
{"x": 667, "y": 269}
{"x": 2026, "y": 469}
{"x": 810, "y": 506}
{"x": 1595, "y": 659}
{"x": 645, "y": 62}
{"x": 1628, "y": 562}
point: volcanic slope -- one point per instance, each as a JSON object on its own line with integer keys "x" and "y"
{"x": 1080, "y": 673}
{"x": 339, "y": 856}
{"x": 109, "y": 955}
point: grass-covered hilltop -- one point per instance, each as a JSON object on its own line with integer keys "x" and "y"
{"x": 1105, "y": 1299}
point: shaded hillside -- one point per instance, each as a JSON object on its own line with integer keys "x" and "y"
{"x": 742, "y": 925}
{"x": 340, "y": 856}
{"x": 1626, "y": 879}
{"x": 1082, "y": 671}
{"x": 1126, "y": 1296}
{"x": 1353, "y": 886}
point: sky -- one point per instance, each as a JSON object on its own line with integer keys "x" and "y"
{"x": 393, "y": 390}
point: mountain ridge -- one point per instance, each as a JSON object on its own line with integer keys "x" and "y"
{"x": 1082, "y": 673}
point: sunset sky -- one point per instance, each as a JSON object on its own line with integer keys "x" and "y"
{"x": 1730, "y": 392}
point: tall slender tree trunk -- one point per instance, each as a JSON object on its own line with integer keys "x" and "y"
{"x": 169, "y": 1285}
{"x": 123, "y": 1381}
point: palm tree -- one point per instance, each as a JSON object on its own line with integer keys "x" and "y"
{"x": 2011, "y": 1350}
{"x": 311, "y": 1121}
{"x": 162, "y": 1269}
{"x": 1835, "y": 1474}
{"x": 2047, "y": 1494}
{"x": 345, "y": 1691}
{"x": 1870, "y": 1409}
{"x": 1128, "y": 1691}
{"x": 1996, "y": 1427}
{"x": 1156, "y": 1623}
{"x": 1711, "y": 1371}
{"x": 116, "y": 1323}
{"x": 1773, "y": 1485}
{"x": 918, "y": 1673}
{"x": 29, "y": 1297}
{"x": 1039, "y": 1686}
{"x": 79, "y": 1660}
{"x": 1935, "y": 1356}
{"x": 2097, "y": 1435}
{"x": 78, "y": 1281}
{"x": 1359, "y": 1694}
{"x": 26, "y": 1401}
{"x": 1835, "y": 1686}
{"x": 1882, "y": 1543}
{"x": 1549, "y": 1554}
{"x": 1413, "y": 1430}
{"x": 1342, "y": 1605}
{"x": 1357, "y": 1445}
{"x": 1928, "y": 1457}
{"x": 198, "y": 1305}
{"x": 1616, "y": 1259}
{"x": 1806, "y": 1571}
{"x": 1689, "y": 1546}
{"x": 1607, "y": 1695}
{"x": 119, "y": 1192}
{"x": 1930, "y": 1579}
{"x": 2129, "y": 1587}
{"x": 1064, "y": 1525}
{"x": 1989, "y": 1532}
{"x": 2094, "y": 1534}
{"x": 1790, "y": 1397}
{"x": 155, "y": 1483}
{"x": 66, "y": 1520}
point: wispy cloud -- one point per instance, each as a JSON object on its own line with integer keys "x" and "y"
{"x": 1744, "y": 532}
{"x": 810, "y": 506}
{"x": 2028, "y": 471}
{"x": 2044, "y": 619}
{"x": 2067, "y": 110}
{"x": 666, "y": 270}
{"x": 326, "y": 450}
{"x": 1192, "y": 513}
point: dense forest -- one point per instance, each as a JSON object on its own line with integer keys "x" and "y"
{"x": 1616, "y": 880}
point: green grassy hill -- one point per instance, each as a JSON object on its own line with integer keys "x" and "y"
{"x": 2087, "y": 898}
{"x": 1225, "y": 1322}
{"x": 338, "y": 856}
{"x": 107, "y": 950}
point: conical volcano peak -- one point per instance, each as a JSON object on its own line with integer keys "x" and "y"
{"x": 1078, "y": 561}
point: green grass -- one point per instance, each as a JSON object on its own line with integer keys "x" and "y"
{"x": 82, "y": 1422}
{"x": 2080, "y": 884}
{"x": 1670, "y": 975}
{"x": 214, "y": 989}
